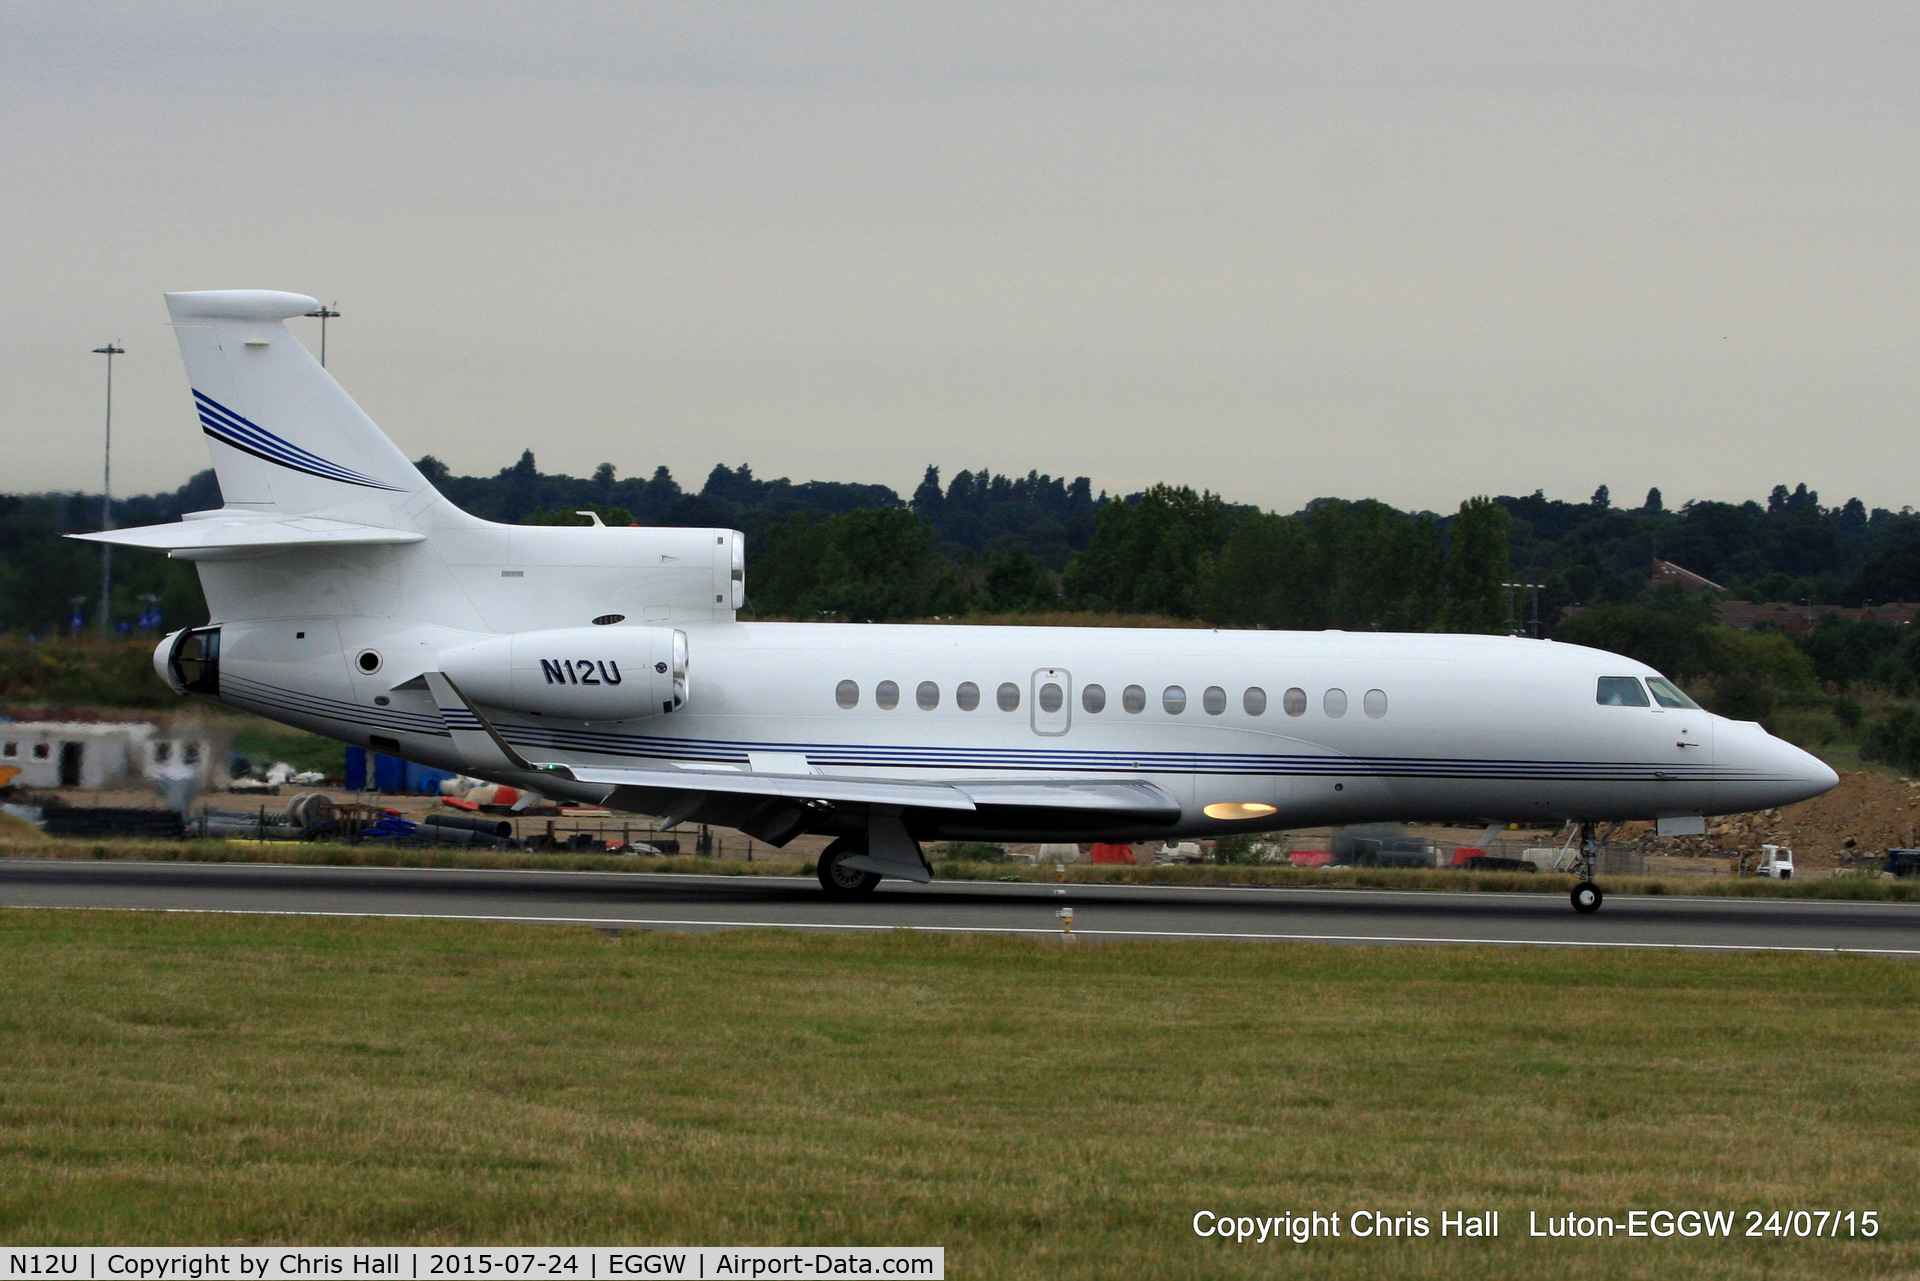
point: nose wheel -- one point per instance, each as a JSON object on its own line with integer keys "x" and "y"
{"x": 1586, "y": 895}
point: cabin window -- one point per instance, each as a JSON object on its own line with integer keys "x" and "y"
{"x": 1255, "y": 701}
{"x": 927, "y": 695}
{"x": 1620, "y": 691}
{"x": 1667, "y": 694}
{"x": 1214, "y": 700}
{"x": 1174, "y": 699}
{"x": 967, "y": 696}
{"x": 1335, "y": 703}
{"x": 1051, "y": 697}
{"x": 1008, "y": 697}
{"x": 887, "y": 695}
{"x": 1093, "y": 698}
{"x": 847, "y": 693}
{"x": 1375, "y": 703}
{"x": 1134, "y": 699}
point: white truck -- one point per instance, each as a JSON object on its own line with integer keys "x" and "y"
{"x": 1776, "y": 861}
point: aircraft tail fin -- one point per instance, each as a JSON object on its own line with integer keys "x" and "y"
{"x": 284, "y": 436}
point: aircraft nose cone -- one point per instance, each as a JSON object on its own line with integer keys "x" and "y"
{"x": 1819, "y": 775}
{"x": 1759, "y": 771}
{"x": 1803, "y": 772}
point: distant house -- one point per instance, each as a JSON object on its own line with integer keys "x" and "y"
{"x": 1744, "y": 614}
{"x": 1795, "y": 619}
{"x": 1665, "y": 572}
{"x": 1798, "y": 620}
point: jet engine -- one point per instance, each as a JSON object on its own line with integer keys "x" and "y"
{"x": 580, "y": 673}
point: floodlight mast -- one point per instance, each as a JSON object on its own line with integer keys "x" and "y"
{"x": 106, "y": 499}
{"x": 325, "y": 314}
{"x": 1532, "y": 626}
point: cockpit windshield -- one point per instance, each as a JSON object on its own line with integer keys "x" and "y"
{"x": 1620, "y": 691}
{"x": 1667, "y": 694}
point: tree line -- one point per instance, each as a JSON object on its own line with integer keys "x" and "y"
{"x": 984, "y": 542}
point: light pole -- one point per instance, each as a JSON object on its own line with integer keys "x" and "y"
{"x": 1533, "y": 624}
{"x": 106, "y": 499}
{"x": 325, "y": 314}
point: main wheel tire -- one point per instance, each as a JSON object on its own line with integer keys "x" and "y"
{"x": 840, "y": 881}
{"x": 1586, "y": 897}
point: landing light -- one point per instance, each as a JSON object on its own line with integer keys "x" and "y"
{"x": 1238, "y": 809}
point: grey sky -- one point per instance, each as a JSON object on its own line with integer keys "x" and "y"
{"x": 1393, "y": 250}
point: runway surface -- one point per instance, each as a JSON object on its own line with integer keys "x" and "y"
{"x": 640, "y": 901}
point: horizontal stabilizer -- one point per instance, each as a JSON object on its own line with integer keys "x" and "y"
{"x": 219, "y": 537}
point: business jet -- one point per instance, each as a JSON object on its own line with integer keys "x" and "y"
{"x": 607, "y": 666}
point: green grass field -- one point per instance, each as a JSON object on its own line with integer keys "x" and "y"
{"x": 1042, "y": 1110}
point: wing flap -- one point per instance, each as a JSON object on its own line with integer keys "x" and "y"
{"x": 1131, "y": 798}
{"x": 816, "y": 787}
{"x": 1113, "y": 798}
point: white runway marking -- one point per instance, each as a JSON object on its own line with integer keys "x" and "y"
{"x": 605, "y": 923}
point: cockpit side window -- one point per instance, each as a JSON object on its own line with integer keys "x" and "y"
{"x": 1621, "y": 691}
{"x": 1667, "y": 694}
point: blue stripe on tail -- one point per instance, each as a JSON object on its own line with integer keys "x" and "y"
{"x": 249, "y": 437}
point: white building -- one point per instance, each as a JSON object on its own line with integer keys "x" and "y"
{"x": 84, "y": 753}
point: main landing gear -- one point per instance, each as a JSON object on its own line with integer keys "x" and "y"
{"x": 1586, "y": 895}
{"x": 839, "y": 880}
{"x": 854, "y": 864}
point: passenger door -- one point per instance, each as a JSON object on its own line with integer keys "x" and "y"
{"x": 1052, "y": 701}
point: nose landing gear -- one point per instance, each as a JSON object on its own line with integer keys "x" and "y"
{"x": 1586, "y": 895}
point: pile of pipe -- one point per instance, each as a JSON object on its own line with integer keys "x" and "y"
{"x": 313, "y": 816}
{"x": 465, "y": 829}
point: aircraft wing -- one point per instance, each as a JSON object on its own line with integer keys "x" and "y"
{"x": 1129, "y": 798}
{"x": 800, "y": 787}
{"x": 780, "y": 794}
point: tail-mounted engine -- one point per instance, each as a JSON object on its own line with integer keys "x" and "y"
{"x": 580, "y": 673}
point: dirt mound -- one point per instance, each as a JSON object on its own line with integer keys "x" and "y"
{"x": 1857, "y": 820}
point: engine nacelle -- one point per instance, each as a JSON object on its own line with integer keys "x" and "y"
{"x": 579, "y": 673}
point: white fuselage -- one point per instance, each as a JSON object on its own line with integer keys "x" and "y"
{"x": 1340, "y": 727}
